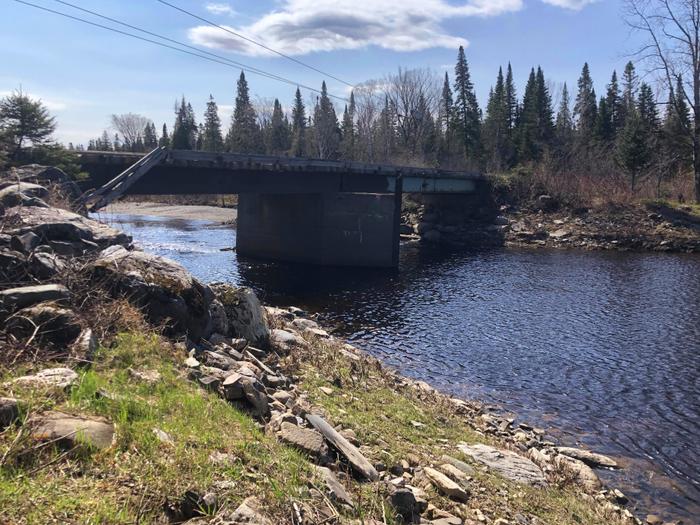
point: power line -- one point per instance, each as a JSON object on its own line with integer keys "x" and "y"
{"x": 219, "y": 60}
{"x": 248, "y": 39}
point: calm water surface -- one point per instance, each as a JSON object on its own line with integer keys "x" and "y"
{"x": 602, "y": 349}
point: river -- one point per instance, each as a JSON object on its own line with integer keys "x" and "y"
{"x": 600, "y": 348}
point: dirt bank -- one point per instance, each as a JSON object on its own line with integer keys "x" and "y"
{"x": 177, "y": 211}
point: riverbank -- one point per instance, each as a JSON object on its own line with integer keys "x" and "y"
{"x": 174, "y": 428}
{"x": 175, "y": 211}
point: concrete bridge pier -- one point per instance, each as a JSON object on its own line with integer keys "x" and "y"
{"x": 332, "y": 229}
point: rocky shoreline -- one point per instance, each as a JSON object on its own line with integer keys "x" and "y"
{"x": 69, "y": 283}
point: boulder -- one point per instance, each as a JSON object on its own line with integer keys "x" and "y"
{"x": 71, "y": 430}
{"x": 47, "y": 323}
{"x": 508, "y": 464}
{"x": 592, "y": 459}
{"x": 305, "y": 439}
{"x": 286, "y": 340}
{"x": 21, "y": 193}
{"x": 51, "y": 377}
{"x": 582, "y": 473}
{"x": 25, "y": 243}
{"x": 164, "y": 289}
{"x": 45, "y": 265}
{"x": 404, "y": 504}
{"x": 219, "y": 321}
{"x": 48, "y": 175}
{"x": 55, "y": 224}
{"x": 245, "y": 314}
{"x": 16, "y": 298}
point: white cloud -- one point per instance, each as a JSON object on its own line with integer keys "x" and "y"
{"x": 220, "y": 9}
{"x": 299, "y": 27}
{"x": 574, "y": 5}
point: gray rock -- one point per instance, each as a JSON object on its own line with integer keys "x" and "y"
{"x": 218, "y": 360}
{"x": 144, "y": 375}
{"x": 232, "y": 386}
{"x": 593, "y": 459}
{"x": 85, "y": 346}
{"x": 219, "y": 321}
{"x": 9, "y": 411}
{"x": 583, "y": 474}
{"x": 167, "y": 292}
{"x": 50, "y": 377}
{"x": 48, "y": 323}
{"x": 25, "y": 243}
{"x": 461, "y": 465}
{"x": 286, "y": 340}
{"x": 44, "y": 265}
{"x": 73, "y": 430}
{"x": 16, "y": 298}
{"x": 446, "y": 485}
{"x": 48, "y": 175}
{"x": 246, "y": 316}
{"x": 55, "y": 224}
{"x": 305, "y": 439}
{"x": 404, "y": 503}
{"x": 508, "y": 464}
{"x": 250, "y": 512}
{"x": 334, "y": 490}
{"x": 12, "y": 265}
{"x": 19, "y": 193}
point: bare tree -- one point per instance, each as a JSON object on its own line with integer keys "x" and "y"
{"x": 367, "y": 101}
{"x": 672, "y": 28}
{"x": 131, "y": 127}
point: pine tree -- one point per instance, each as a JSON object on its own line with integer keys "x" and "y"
{"x": 385, "y": 131}
{"x": 212, "y": 139}
{"x": 545, "y": 115}
{"x": 604, "y": 128}
{"x": 527, "y": 123}
{"x": 495, "y": 130}
{"x": 164, "y": 140}
{"x": 347, "y": 146}
{"x": 677, "y": 143}
{"x": 511, "y": 99}
{"x": 629, "y": 92}
{"x": 632, "y": 149}
{"x": 585, "y": 108}
{"x": 244, "y": 135}
{"x": 298, "y": 126}
{"x": 446, "y": 119}
{"x": 647, "y": 108}
{"x": 564, "y": 128}
{"x": 326, "y": 130}
{"x": 467, "y": 113}
{"x": 279, "y": 131}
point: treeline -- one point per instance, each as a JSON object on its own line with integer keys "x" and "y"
{"x": 413, "y": 117}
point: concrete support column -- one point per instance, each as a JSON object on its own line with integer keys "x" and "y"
{"x": 335, "y": 229}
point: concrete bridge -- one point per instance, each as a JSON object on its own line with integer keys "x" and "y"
{"x": 292, "y": 209}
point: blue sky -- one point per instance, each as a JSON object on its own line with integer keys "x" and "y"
{"x": 84, "y": 73}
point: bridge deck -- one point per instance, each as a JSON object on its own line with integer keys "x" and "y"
{"x": 197, "y": 172}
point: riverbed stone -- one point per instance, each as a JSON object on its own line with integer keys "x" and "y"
{"x": 72, "y": 430}
{"x": 245, "y": 314}
{"x": 508, "y": 464}
{"x": 166, "y": 291}
{"x": 592, "y": 459}
{"x": 286, "y": 340}
{"x": 583, "y": 474}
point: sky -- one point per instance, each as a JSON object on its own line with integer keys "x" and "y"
{"x": 84, "y": 73}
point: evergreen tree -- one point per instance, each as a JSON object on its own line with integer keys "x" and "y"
{"x": 495, "y": 131}
{"x": 545, "y": 115}
{"x": 164, "y": 140}
{"x": 629, "y": 92}
{"x": 564, "y": 128}
{"x": 298, "y": 126}
{"x": 385, "y": 130}
{"x": 279, "y": 131}
{"x": 647, "y": 109}
{"x": 632, "y": 149}
{"x": 527, "y": 131}
{"x": 467, "y": 113}
{"x": 511, "y": 99}
{"x": 446, "y": 119}
{"x": 426, "y": 140}
{"x": 185, "y": 129}
{"x": 347, "y": 146}
{"x": 677, "y": 143}
{"x": 326, "y": 130}
{"x": 613, "y": 102}
{"x": 23, "y": 122}
{"x": 604, "y": 127}
{"x": 150, "y": 137}
{"x": 117, "y": 143}
{"x": 244, "y": 135}
{"x": 212, "y": 139}
{"x": 585, "y": 108}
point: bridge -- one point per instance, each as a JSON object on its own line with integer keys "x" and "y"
{"x": 292, "y": 209}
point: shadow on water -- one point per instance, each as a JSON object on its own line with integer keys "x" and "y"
{"x": 603, "y": 346}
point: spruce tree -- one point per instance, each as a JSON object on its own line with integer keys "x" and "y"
{"x": 244, "y": 135}
{"x": 585, "y": 108}
{"x": 545, "y": 115}
{"x": 446, "y": 119}
{"x": 604, "y": 128}
{"x": 467, "y": 113}
{"x": 150, "y": 138}
{"x": 298, "y": 126}
{"x": 495, "y": 130}
{"x": 629, "y": 92}
{"x": 511, "y": 99}
{"x": 185, "y": 129}
{"x": 564, "y": 128}
{"x": 279, "y": 131}
{"x": 677, "y": 143}
{"x": 527, "y": 129}
{"x": 164, "y": 140}
{"x": 212, "y": 139}
{"x": 347, "y": 147}
{"x": 632, "y": 149}
{"x": 613, "y": 102}
{"x": 326, "y": 130}
{"x": 385, "y": 131}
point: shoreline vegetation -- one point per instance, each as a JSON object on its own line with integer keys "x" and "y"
{"x": 134, "y": 393}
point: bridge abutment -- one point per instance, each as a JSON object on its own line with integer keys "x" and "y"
{"x": 335, "y": 229}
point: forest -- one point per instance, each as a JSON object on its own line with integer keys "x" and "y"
{"x": 624, "y": 143}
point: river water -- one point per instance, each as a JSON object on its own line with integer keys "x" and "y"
{"x": 602, "y": 349}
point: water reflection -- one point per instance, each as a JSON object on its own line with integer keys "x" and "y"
{"x": 603, "y": 346}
